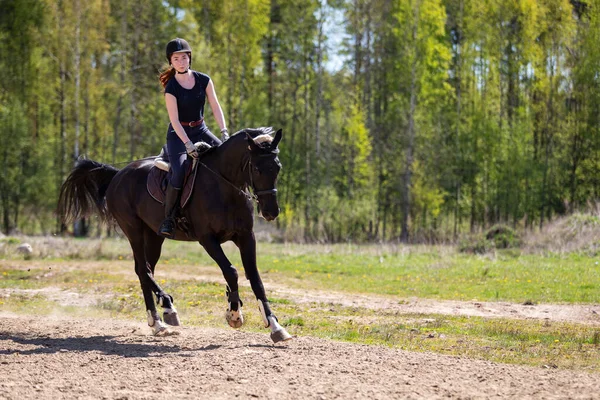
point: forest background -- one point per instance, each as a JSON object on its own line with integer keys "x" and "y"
{"x": 411, "y": 120}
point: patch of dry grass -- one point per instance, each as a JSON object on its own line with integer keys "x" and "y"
{"x": 66, "y": 248}
{"x": 579, "y": 232}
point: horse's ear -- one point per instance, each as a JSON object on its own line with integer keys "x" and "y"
{"x": 276, "y": 140}
{"x": 252, "y": 146}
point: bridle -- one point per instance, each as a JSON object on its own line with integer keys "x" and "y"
{"x": 258, "y": 193}
{"x": 250, "y": 196}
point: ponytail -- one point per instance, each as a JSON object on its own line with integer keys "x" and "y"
{"x": 166, "y": 75}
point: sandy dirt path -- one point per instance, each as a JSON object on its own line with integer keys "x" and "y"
{"x": 53, "y": 358}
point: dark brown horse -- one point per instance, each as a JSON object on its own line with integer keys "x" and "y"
{"x": 219, "y": 210}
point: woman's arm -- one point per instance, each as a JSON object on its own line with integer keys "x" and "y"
{"x": 215, "y": 106}
{"x": 174, "y": 117}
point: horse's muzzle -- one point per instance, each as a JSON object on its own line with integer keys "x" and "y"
{"x": 269, "y": 215}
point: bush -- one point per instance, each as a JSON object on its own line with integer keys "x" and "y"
{"x": 503, "y": 237}
{"x": 580, "y": 221}
{"x": 497, "y": 237}
{"x": 475, "y": 245}
{"x": 10, "y": 240}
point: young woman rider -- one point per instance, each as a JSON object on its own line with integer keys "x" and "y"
{"x": 185, "y": 94}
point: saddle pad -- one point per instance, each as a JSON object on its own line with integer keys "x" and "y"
{"x": 158, "y": 179}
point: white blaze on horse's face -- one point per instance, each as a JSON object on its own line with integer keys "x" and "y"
{"x": 264, "y": 169}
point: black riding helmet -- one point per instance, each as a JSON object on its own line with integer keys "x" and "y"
{"x": 178, "y": 45}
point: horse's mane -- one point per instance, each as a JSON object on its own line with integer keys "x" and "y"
{"x": 260, "y": 135}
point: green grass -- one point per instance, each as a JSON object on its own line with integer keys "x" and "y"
{"x": 460, "y": 277}
{"x": 453, "y": 276}
{"x": 431, "y": 272}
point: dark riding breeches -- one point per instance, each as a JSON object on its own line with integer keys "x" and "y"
{"x": 176, "y": 150}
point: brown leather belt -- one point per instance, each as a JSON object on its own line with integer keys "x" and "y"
{"x": 192, "y": 123}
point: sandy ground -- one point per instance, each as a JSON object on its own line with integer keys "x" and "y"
{"x": 53, "y": 358}
{"x": 71, "y": 358}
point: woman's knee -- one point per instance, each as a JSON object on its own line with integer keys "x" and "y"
{"x": 176, "y": 182}
{"x": 178, "y": 164}
{"x": 176, "y": 179}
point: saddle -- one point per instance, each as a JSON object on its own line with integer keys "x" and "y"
{"x": 160, "y": 173}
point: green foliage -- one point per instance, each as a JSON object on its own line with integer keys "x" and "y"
{"x": 497, "y": 237}
{"x": 353, "y": 149}
{"x": 10, "y": 240}
{"x": 440, "y": 116}
{"x": 503, "y": 237}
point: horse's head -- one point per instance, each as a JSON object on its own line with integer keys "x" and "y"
{"x": 264, "y": 166}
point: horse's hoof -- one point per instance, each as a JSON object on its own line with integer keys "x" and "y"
{"x": 166, "y": 331}
{"x": 280, "y": 335}
{"x": 159, "y": 328}
{"x": 235, "y": 319}
{"x": 171, "y": 318}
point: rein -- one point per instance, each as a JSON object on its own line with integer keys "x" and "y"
{"x": 250, "y": 196}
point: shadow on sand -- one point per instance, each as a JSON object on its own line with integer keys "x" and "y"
{"x": 106, "y": 345}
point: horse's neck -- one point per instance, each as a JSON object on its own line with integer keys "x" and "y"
{"x": 229, "y": 159}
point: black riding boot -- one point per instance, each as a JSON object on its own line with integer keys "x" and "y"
{"x": 167, "y": 228}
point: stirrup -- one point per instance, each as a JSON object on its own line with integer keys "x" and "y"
{"x": 167, "y": 228}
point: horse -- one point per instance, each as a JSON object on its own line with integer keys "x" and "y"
{"x": 220, "y": 209}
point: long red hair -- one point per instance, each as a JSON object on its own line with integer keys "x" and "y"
{"x": 166, "y": 75}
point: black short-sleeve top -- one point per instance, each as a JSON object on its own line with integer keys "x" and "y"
{"x": 190, "y": 102}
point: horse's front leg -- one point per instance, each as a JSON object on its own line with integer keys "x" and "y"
{"x": 247, "y": 245}
{"x": 233, "y": 315}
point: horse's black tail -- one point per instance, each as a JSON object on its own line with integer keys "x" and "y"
{"x": 83, "y": 192}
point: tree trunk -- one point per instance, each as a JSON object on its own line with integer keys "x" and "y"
{"x": 134, "y": 130}
{"x": 357, "y": 43}
{"x": 320, "y": 73}
{"x": 119, "y": 110}
{"x": 79, "y": 224}
{"x": 307, "y": 143}
{"x": 407, "y": 182}
{"x": 63, "y": 130}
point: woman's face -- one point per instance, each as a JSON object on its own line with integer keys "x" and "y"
{"x": 180, "y": 61}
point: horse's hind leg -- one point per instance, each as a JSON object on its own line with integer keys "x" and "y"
{"x": 135, "y": 232}
{"x": 247, "y": 245}
{"x": 142, "y": 269}
{"x": 152, "y": 249}
{"x": 233, "y": 315}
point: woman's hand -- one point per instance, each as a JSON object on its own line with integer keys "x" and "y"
{"x": 224, "y": 134}
{"x": 191, "y": 150}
